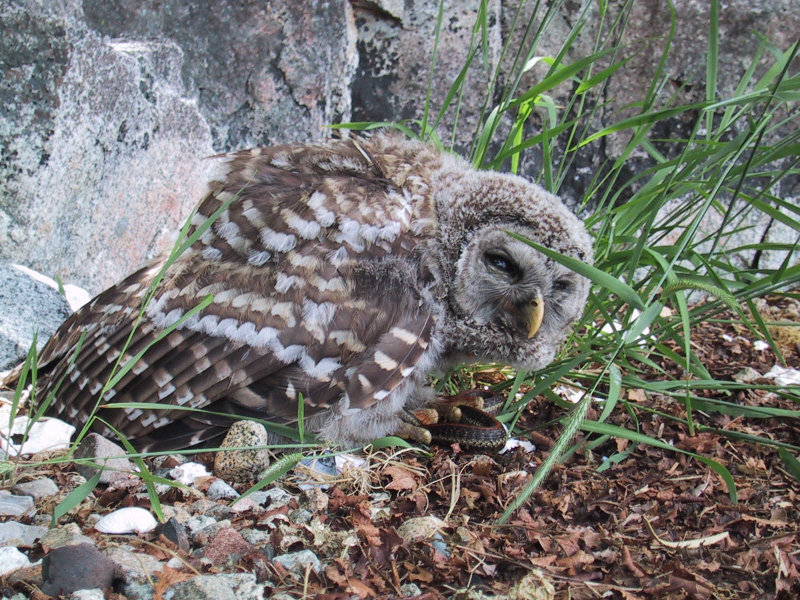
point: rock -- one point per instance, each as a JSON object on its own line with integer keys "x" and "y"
{"x": 12, "y": 559}
{"x": 534, "y": 586}
{"x": 15, "y": 506}
{"x": 188, "y": 472}
{"x": 198, "y": 523}
{"x": 410, "y": 590}
{"x": 273, "y": 497}
{"x": 181, "y": 515}
{"x": 296, "y": 562}
{"x": 27, "y": 306}
{"x": 64, "y": 535}
{"x": 17, "y": 534}
{"x": 243, "y": 505}
{"x": 238, "y": 586}
{"x": 219, "y": 490}
{"x": 257, "y": 537}
{"x": 314, "y": 499}
{"x": 241, "y": 465}
{"x": 92, "y": 594}
{"x": 100, "y": 450}
{"x": 36, "y": 489}
{"x": 45, "y": 435}
{"x": 174, "y": 532}
{"x": 227, "y": 547}
{"x": 747, "y": 375}
{"x": 88, "y": 175}
{"x": 131, "y": 519}
{"x": 418, "y": 529}
{"x": 76, "y": 567}
{"x": 169, "y": 461}
{"x": 133, "y": 566}
{"x": 301, "y": 516}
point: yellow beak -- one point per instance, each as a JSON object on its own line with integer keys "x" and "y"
{"x": 535, "y": 315}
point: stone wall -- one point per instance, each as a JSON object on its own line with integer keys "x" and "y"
{"x": 110, "y": 108}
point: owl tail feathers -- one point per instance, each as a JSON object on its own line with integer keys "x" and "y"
{"x": 179, "y": 435}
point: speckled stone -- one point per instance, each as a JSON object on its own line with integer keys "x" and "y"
{"x": 64, "y": 535}
{"x": 37, "y": 489}
{"x": 242, "y": 465}
{"x": 100, "y": 449}
{"x": 219, "y": 490}
{"x": 296, "y": 562}
{"x": 238, "y": 586}
{"x": 227, "y": 547}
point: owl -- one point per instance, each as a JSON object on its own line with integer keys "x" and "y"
{"x": 341, "y": 274}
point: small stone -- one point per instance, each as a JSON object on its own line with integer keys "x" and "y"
{"x": 175, "y": 533}
{"x": 92, "y": 594}
{"x": 100, "y": 450}
{"x": 78, "y": 567}
{"x": 131, "y": 519}
{"x": 244, "y": 505}
{"x": 314, "y": 499}
{"x": 64, "y": 535}
{"x": 257, "y": 537}
{"x": 170, "y": 461}
{"x": 419, "y": 529}
{"x": 134, "y": 566}
{"x": 410, "y": 590}
{"x": 181, "y": 515}
{"x": 219, "y": 490}
{"x": 301, "y": 516}
{"x": 228, "y": 546}
{"x": 17, "y": 534}
{"x": 204, "y": 536}
{"x": 210, "y": 508}
{"x": 237, "y": 586}
{"x": 195, "y": 524}
{"x": 534, "y": 586}
{"x": 440, "y": 546}
{"x": 12, "y": 559}
{"x": 747, "y": 375}
{"x": 273, "y": 498}
{"x": 188, "y": 472}
{"x": 46, "y": 434}
{"x": 242, "y": 465}
{"x": 15, "y": 506}
{"x": 296, "y": 562}
{"x": 37, "y": 489}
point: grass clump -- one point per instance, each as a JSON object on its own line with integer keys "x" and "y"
{"x": 666, "y": 234}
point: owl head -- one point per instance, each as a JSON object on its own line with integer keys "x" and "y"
{"x": 508, "y": 302}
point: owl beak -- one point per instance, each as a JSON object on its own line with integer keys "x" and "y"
{"x": 535, "y": 314}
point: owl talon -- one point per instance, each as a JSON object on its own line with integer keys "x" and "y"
{"x": 414, "y": 432}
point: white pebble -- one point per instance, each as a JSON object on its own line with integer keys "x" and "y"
{"x": 12, "y": 559}
{"x": 760, "y": 345}
{"x": 127, "y": 520}
{"x": 45, "y": 434}
{"x": 188, "y": 472}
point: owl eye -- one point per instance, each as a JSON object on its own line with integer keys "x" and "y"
{"x": 562, "y": 285}
{"x": 499, "y": 262}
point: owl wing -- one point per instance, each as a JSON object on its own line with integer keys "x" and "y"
{"x": 305, "y": 265}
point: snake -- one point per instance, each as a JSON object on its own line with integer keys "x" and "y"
{"x": 472, "y": 427}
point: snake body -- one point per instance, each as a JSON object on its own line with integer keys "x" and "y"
{"x": 477, "y": 429}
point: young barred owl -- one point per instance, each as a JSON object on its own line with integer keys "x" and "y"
{"x": 341, "y": 273}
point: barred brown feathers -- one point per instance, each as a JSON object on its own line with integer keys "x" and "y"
{"x": 341, "y": 273}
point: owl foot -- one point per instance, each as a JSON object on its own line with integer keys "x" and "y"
{"x": 466, "y": 418}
